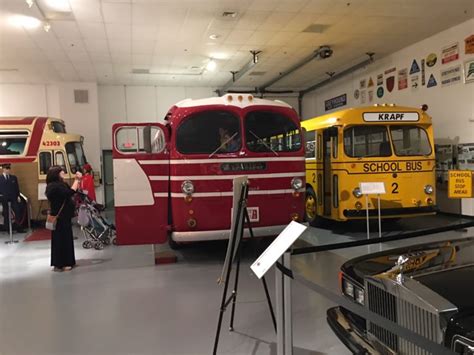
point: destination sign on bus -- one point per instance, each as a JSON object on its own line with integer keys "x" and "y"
{"x": 390, "y": 116}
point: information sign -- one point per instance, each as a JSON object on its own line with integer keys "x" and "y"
{"x": 284, "y": 240}
{"x": 460, "y": 184}
{"x": 372, "y": 188}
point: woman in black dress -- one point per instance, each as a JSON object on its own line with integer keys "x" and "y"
{"x": 59, "y": 195}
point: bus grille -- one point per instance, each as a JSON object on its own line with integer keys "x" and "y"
{"x": 406, "y": 314}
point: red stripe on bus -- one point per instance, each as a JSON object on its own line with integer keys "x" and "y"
{"x": 21, "y": 121}
{"x": 35, "y": 139}
{"x": 17, "y": 160}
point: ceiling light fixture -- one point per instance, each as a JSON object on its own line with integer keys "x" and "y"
{"x": 211, "y": 65}
{"x": 29, "y": 3}
{"x": 58, "y": 5}
{"x": 214, "y": 36}
{"x": 255, "y": 54}
{"x": 47, "y": 26}
{"x": 27, "y": 22}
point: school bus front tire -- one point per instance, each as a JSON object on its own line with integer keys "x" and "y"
{"x": 310, "y": 212}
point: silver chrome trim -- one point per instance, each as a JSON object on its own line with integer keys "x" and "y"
{"x": 410, "y": 304}
{"x": 224, "y": 234}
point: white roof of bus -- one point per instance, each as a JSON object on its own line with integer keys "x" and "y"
{"x": 232, "y": 100}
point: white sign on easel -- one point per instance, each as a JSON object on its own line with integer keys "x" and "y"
{"x": 372, "y": 188}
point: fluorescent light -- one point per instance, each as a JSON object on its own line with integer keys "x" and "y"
{"x": 27, "y": 22}
{"x": 59, "y": 5}
{"x": 211, "y": 65}
{"x": 29, "y": 3}
{"x": 219, "y": 55}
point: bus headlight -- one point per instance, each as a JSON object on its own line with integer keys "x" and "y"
{"x": 296, "y": 183}
{"x": 356, "y": 192}
{"x": 348, "y": 288}
{"x": 187, "y": 187}
{"x": 429, "y": 189}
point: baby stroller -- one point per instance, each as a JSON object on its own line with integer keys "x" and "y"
{"x": 97, "y": 231}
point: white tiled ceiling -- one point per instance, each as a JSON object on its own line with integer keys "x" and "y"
{"x": 105, "y": 40}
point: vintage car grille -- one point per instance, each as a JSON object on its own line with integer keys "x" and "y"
{"x": 404, "y": 313}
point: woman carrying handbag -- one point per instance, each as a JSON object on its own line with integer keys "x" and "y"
{"x": 59, "y": 195}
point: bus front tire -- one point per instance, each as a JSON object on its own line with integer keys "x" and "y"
{"x": 310, "y": 212}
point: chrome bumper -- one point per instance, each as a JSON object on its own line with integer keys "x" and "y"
{"x": 224, "y": 234}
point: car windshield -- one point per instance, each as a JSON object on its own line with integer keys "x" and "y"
{"x": 75, "y": 155}
{"x": 271, "y": 132}
{"x": 367, "y": 141}
{"x": 410, "y": 140}
{"x": 209, "y": 132}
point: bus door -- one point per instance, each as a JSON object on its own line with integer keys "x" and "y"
{"x": 141, "y": 183}
{"x": 328, "y": 133}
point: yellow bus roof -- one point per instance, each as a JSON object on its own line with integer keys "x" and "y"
{"x": 354, "y": 116}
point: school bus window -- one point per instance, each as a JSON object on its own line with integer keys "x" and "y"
{"x": 157, "y": 140}
{"x": 410, "y": 140}
{"x": 60, "y": 160}
{"x": 367, "y": 141}
{"x": 75, "y": 156}
{"x": 335, "y": 140}
{"x": 271, "y": 132}
{"x": 310, "y": 146}
{"x": 45, "y": 162}
{"x": 58, "y": 127}
{"x": 209, "y": 132}
{"x": 13, "y": 143}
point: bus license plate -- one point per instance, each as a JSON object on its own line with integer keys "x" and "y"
{"x": 254, "y": 214}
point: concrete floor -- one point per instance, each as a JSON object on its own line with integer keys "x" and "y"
{"x": 118, "y": 302}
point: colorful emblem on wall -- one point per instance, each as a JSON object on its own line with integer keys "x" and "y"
{"x": 431, "y": 59}
{"x": 469, "y": 45}
{"x": 402, "y": 79}
{"x": 414, "y": 67}
{"x": 371, "y": 83}
{"x": 390, "y": 83}
{"x": 431, "y": 82}
{"x": 450, "y": 53}
{"x": 380, "y": 92}
{"x": 469, "y": 71}
{"x": 356, "y": 94}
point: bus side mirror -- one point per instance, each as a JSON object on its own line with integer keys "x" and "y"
{"x": 332, "y": 131}
{"x": 147, "y": 139}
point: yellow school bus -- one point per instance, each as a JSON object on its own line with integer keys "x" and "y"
{"x": 32, "y": 145}
{"x": 382, "y": 143}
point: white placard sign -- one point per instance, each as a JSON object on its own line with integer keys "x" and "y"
{"x": 390, "y": 116}
{"x": 284, "y": 240}
{"x": 372, "y": 188}
{"x": 41, "y": 191}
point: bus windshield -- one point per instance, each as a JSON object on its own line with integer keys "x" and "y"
{"x": 367, "y": 141}
{"x": 75, "y": 155}
{"x": 271, "y": 132}
{"x": 410, "y": 140}
{"x": 209, "y": 132}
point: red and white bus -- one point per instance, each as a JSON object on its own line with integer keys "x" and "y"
{"x": 175, "y": 179}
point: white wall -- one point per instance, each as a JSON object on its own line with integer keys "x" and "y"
{"x": 451, "y": 107}
{"x": 119, "y": 103}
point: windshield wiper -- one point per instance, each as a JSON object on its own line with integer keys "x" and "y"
{"x": 262, "y": 141}
{"x": 223, "y": 144}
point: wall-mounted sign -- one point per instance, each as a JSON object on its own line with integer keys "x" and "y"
{"x": 451, "y": 76}
{"x": 371, "y": 83}
{"x": 335, "y": 102}
{"x": 379, "y": 79}
{"x": 371, "y": 95}
{"x": 390, "y": 116}
{"x": 431, "y": 60}
{"x": 391, "y": 70}
{"x": 415, "y": 82}
{"x": 402, "y": 79}
{"x": 431, "y": 82}
{"x": 469, "y": 71}
{"x": 363, "y": 84}
{"x": 460, "y": 184}
{"x": 380, "y": 92}
{"x": 450, "y": 53}
{"x": 469, "y": 45}
{"x": 363, "y": 96}
{"x": 414, "y": 67}
{"x": 356, "y": 94}
{"x": 423, "y": 77}
{"x": 390, "y": 82}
